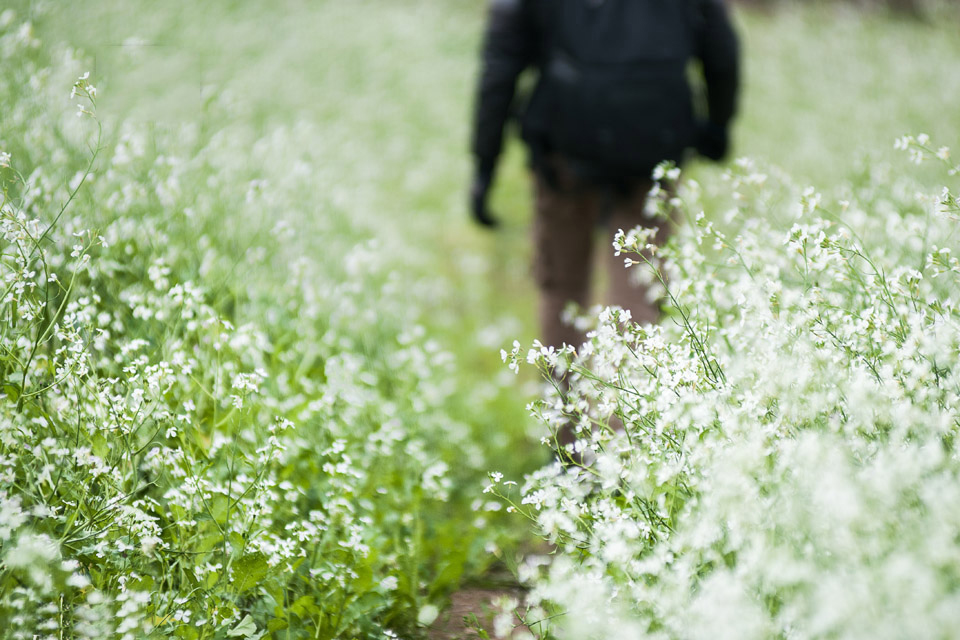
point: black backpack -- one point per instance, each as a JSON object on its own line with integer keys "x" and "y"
{"x": 613, "y": 94}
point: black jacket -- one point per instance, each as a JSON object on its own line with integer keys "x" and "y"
{"x": 517, "y": 39}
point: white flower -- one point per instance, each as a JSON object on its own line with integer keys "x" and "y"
{"x": 389, "y": 583}
{"x": 149, "y": 543}
{"x": 78, "y": 581}
{"x": 427, "y": 614}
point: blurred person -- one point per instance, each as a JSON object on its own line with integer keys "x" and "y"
{"x": 611, "y": 101}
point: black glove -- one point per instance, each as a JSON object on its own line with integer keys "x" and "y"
{"x": 713, "y": 141}
{"x": 479, "y": 190}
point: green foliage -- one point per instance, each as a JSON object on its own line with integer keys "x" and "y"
{"x": 214, "y": 426}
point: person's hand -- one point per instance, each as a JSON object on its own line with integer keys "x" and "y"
{"x": 479, "y": 192}
{"x": 713, "y": 141}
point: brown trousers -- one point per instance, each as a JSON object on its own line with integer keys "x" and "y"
{"x": 567, "y": 216}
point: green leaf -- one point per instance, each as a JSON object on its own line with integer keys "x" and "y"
{"x": 145, "y": 583}
{"x": 237, "y": 542}
{"x": 303, "y": 607}
{"x": 212, "y": 578}
{"x": 364, "y": 579}
{"x": 218, "y": 508}
{"x": 209, "y": 542}
{"x": 186, "y": 632}
{"x": 277, "y": 624}
{"x": 249, "y": 570}
{"x": 244, "y": 629}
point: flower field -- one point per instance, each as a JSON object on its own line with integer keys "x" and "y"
{"x": 250, "y": 348}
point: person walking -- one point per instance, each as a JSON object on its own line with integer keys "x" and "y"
{"x": 610, "y": 102}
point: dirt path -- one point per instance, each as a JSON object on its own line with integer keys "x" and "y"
{"x": 455, "y": 623}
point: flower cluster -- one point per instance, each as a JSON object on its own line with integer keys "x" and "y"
{"x": 778, "y": 458}
{"x": 207, "y": 428}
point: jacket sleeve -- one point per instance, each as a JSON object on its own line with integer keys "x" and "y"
{"x": 508, "y": 49}
{"x": 718, "y": 49}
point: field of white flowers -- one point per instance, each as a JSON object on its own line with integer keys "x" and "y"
{"x": 250, "y": 346}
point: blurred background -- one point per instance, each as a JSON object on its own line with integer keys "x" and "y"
{"x": 373, "y": 99}
{"x": 822, "y": 77}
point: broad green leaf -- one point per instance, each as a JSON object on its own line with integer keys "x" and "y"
{"x": 249, "y": 570}
{"x": 277, "y": 624}
{"x": 303, "y": 607}
{"x": 244, "y": 629}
